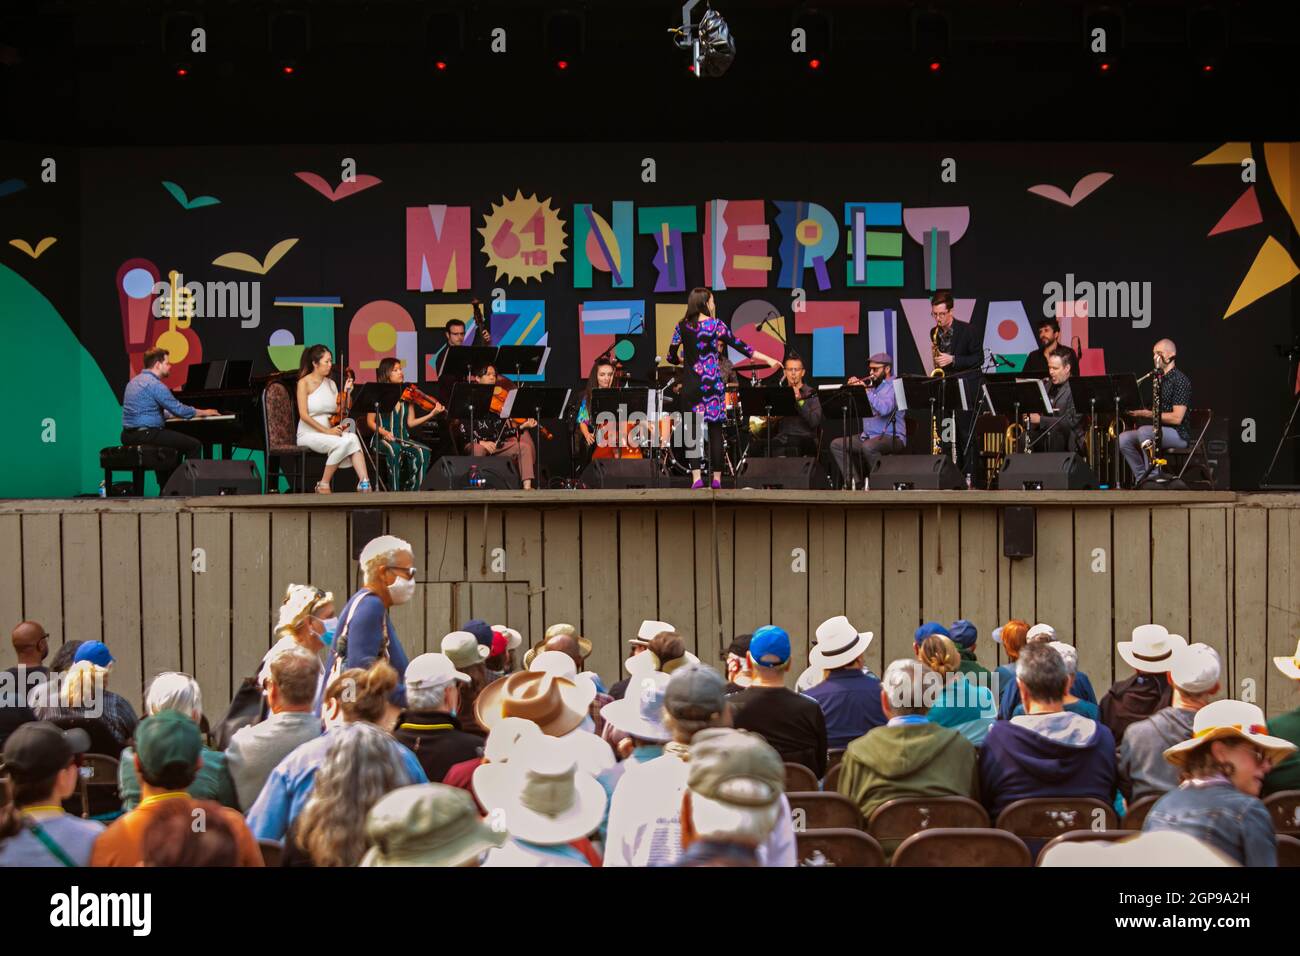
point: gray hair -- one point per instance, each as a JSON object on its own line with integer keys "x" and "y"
{"x": 361, "y": 765}
{"x": 1043, "y": 672}
{"x": 296, "y": 673}
{"x": 433, "y": 697}
{"x": 381, "y": 551}
{"x": 904, "y": 687}
{"x": 173, "y": 690}
{"x": 1070, "y": 654}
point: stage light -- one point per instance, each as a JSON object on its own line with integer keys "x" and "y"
{"x": 440, "y": 64}
{"x": 710, "y": 43}
{"x": 935, "y": 66}
{"x": 182, "y": 71}
{"x": 565, "y": 34}
{"x": 814, "y": 64}
{"x": 1207, "y": 37}
{"x": 444, "y": 38}
{"x": 289, "y": 37}
{"x": 1103, "y": 36}
{"x": 810, "y": 35}
{"x": 930, "y": 38}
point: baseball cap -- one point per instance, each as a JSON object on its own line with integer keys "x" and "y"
{"x": 504, "y": 639}
{"x": 739, "y": 646}
{"x": 963, "y": 633}
{"x": 770, "y": 646}
{"x": 1195, "y": 668}
{"x": 481, "y": 630}
{"x": 695, "y": 692}
{"x": 735, "y": 767}
{"x": 39, "y": 749}
{"x": 929, "y": 628}
{"x": 94, "y": 651}
{"x": 167, "y": 739}
{"x": 430, "y": 670}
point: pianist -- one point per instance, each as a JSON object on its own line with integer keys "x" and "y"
{"x": 143, "y": 405}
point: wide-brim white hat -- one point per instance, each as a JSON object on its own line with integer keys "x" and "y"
{"x": 640, "y": 712}
{"x": 1290, "y": 666}
{"x": 541, "y": 795}
{"x": 300, "y": 600}
{"x": 810, "y": 678}
{"x": 649, "y": 630}
{"x": 838, "y": 643}
{"x": 1152, "y": 649}
{"x": 1230, "y": 718}
{"x": 647, "y": 662}
{"x": 1156, "y": 848}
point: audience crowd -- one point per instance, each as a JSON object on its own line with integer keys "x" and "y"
{"x": 345, "y": 751}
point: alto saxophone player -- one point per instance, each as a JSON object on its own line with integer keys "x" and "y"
{"x": 1175, "y": 400}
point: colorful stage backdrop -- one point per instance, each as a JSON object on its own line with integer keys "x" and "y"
{"x": 371, "y": 249}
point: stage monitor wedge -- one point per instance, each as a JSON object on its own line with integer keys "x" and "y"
{"x": 916, "y": 472}
{"x": 621, "y": 473}
{"x": 461, "y": 472}
{"x": 804, "y": 474}
{"x": 200, "y": 477}
{"x": 1046, "y": 471}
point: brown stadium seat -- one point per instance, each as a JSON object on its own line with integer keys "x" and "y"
{"x": 818, "y": 810}
{"x": 838, "y": 846}
{"x": 962, "y": 847}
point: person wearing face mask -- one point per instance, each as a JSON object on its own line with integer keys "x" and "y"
{"x": 365, "y": 629}
{"x": 306, "y": 620}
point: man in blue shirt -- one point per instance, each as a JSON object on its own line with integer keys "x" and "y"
{"x": 143, "y": 405}
{"x": 850, "y": 695}
{"x": 884, "y": 433}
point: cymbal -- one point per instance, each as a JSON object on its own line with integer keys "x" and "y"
{"x": 663, "y": 372}
{"x": 750, "y": 367}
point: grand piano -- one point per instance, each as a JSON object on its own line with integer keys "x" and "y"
{"x": 229, "y": 387}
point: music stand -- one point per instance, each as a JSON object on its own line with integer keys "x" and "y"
{"x": 1124, "y": 393}
{"x": 852, "y": 403}
{"x": 460, "y": 360}
{"x": 377, "y": 397}
{"x": 920, "y": 392}
{"x": 470, "y": 402}
{"x": 1016, "y": 399}
{"x": 520, "y": 359}
{"x": 196, "y": 378}
{"x": 538, "y": 402}
{"x": 762, "y": 402}
{"x": 1089, "y": 390}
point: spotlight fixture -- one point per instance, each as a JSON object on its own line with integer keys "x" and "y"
{"x": 710, "y": 43}
{"x": 444, "y": 39}
{"x": 179, "y": 40}
{"x": 565, "y": 35}
{"x": 289, "y": 40}
{"x": 930, "y": 39}
{"x": 810, "y": 38}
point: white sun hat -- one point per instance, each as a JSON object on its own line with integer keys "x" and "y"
{"x": 1152, "y": 649}
{"x": 838, "y": 643}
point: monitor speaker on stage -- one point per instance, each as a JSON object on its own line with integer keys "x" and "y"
{"x": 459, "y": 472}
{"x": 908, "y": 472}
{"x": 804, "y": 474}
{"x": 199, "y": 477}
{"x": 621, "y": 473}
{"x": 1046, "y": 471}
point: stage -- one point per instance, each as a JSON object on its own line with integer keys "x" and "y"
{"x": 192, "y": 584}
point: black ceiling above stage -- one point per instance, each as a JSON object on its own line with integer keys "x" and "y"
{"x": 97, "y": 72}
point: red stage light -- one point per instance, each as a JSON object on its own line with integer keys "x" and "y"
{"x": 1208, "y": 68}
{"x": 287, "y": 70}
{"x": 181, "y": 71}
{"x": 440, "y": 64}
{"x": 561, "y": 64}
{"x": 935, "y": 65}
{"x": 1104, "y": 67}
{"x": 814, "y": 64}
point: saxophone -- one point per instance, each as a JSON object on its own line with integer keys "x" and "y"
{"x": 935, "y": 351}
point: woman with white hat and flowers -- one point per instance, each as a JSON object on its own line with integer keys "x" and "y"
{"x": 306, "y": 619}
{"x": 1286, "y": 726}
{"x": 1223, "y": 767}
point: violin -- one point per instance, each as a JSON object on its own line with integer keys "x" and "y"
{"x": 499, "y": 393}
{"x": 343, "y": 404}
{"x": 417, "y": 398}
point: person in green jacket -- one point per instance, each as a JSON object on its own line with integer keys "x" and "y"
{"x": 963, "y": 634}
{"x": 179, "y": 692}
{"x": 910, "y": 756}
{"x": 1286, "y": 775}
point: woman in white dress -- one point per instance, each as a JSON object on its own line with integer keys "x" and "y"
{"x": 317, "y": 399}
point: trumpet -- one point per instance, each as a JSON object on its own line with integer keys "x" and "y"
{"x": 935, "y": 352}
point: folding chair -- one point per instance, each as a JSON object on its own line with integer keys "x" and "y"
{"x": 818, "y": 810}
{"x": 798, "y": 777}
{"x": 898, "y": 819}
{"x": 838, "y": 846}
{"x": 962, "y": 847}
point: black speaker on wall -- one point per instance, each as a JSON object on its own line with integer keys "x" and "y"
{"x": 1046, "y": 471}
{"x": 458, "y": 472}
{"x": 200, "y": 477}
{"x": 801, "y": 473}
{"x": 621, "y": 473}
{"x": 1019, "y": 531}
{"x": 916, "y": 472}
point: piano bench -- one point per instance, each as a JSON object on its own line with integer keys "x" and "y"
{"x": 136, "y": 459}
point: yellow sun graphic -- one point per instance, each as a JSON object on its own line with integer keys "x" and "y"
{"x": 523, "y": 237}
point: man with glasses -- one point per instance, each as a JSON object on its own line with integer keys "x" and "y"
{"x": 31, "y": 646}
{"x": 960, "y": 350}
{"x": 365, "y": 629}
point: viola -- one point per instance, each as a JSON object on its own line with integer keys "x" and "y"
{"x": 499, "y": 393}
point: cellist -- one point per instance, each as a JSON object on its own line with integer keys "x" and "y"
{"x": 498, "y": 436}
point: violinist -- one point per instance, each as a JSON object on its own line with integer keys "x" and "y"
{"x": 407, "y": 460}
{"x": 500, "y": 436}
{"x": 318, "y": 399}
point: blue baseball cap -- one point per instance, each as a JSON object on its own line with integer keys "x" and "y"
{"x": 770, "y": 646}
{"x": 963, "y": 633}
{"x": 94, "y": 651}
{"x": 928, "y": 628}
{"x": 481, "y": 630}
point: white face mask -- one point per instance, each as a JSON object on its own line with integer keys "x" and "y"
{"x": 401, "y": 590}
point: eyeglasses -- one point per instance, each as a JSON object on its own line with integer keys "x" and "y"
{"x": 408, "y": 573}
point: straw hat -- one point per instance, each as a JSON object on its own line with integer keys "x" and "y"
{"x": 647, "y": 662}
{"x": 649, "y": 630}
{"x": 555, "y": 704}
{"x": 1152, "y": 649}
{"x": 838, "y": 643}
{"x": 555, "y": 630}
{"x": 299, "y": 601}
{"x": 1230, "y": 719}
{"x": 1290, "y": 666}
{"x": 429, "y": 824}
{"x": 542, "y": 795}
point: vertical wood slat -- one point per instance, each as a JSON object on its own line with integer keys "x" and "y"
{"x": 446, "y": 531}
{"x": 902, "y": 583}
{"x": 1170, "y": 600}
{"x": 863, "y": 597}
{"x": 941, "y": 565}
{"x": 1250, "y": 605}
{"x": 1132, "y": 583}
{"x": 487, "y": 603}
{"x": 979, "y": 579}
{"x": 409, "y": 618}
{"x": 675, "y": 569}
{"x": 330, "y": 564}
{"x": 826, "y": 572}
{"x": 562, "y": 573}
{"x": 711, "y": 565}
{"x": 120, "y": 536}
{"x": 600, "y": 595}
{"x": 789, "y": 574}
{"x": 212, "y": 609}
{"x": 290, "y": 559}
{"x": 11, "y": 583}
{"x": 1022, "y": 575}
{"x": 752, "y": 579}
{"x": 42, "y": 556}
{"x": 160, "y": 578}
{"x": 186, "y": 575}
{"x": 1208, "y": 578}
{"x": 250, "y": 593}
{"x": 1093, "y": 613}
{"x": 1054, "y": 571}
{"x": 439, "y": 616}
{"x": 483, "y": 536}
{"x": 523, "y": 530}
{"x": 83, "y": 617}
{"x": 638, "y": 579}
{"x": 1283, "y": 604}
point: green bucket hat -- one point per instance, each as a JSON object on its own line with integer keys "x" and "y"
{"x": 428, "y": 824}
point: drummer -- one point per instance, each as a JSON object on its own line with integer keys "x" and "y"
{"x": 795, "y": 436}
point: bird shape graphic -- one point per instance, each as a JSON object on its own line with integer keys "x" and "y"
{"x": 186, "y": 203}
{"x": 342, "y": 190}
{"x": 246, "y": 263}
{"x": 40, "y": 246}
{"x": 1084, "y": 188}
